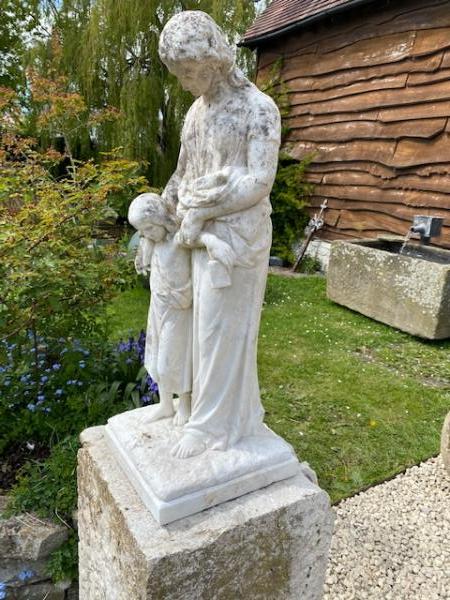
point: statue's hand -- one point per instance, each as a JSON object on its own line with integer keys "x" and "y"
{"x": 190, "y": 229}
{"x": 222, "y": 252}
{"x": 143, "y": 257}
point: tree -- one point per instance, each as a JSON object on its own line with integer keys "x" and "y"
{"x": 108, "y": 49}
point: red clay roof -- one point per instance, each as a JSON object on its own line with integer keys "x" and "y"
{"x": 283, "y": 14}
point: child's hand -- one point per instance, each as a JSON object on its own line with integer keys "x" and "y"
{"x": 190, "y": 229}
{"x": 143, "y": 257}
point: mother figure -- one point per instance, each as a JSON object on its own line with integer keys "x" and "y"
{"x": 221, "y": 186}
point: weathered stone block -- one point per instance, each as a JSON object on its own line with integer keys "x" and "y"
{"x": 445, "y": 443}
{"x": 412, "y": 294}
{"x": 272, "y": 543}
{"x": 26, "y": 537}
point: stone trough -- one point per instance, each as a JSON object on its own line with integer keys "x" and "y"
{"x": 409, "y": 291}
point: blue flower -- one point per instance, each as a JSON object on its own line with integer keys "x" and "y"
{"x": 80, "y": 383}
{"x": 129, "y": 361}
{"x": 59, "y": 392}
{"x": 7, "y": 382}
{"x": 47, "y": 409}
{"x": 31, "y": 407}
{"x": 2, "y": 590}
{"x": 44, "y": 379}
{"x": 56, "y": 366}
{"x": 26, "y": 574}
{"x": 41, "y": 397}
{"x": 82, "y": 364}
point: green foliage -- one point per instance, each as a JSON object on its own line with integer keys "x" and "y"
{"x": 278, "y": 90}
{"x": 49, "y": 488}
{"x": 48, "y": 228}
{"x": 18, "y": 18}
{"x": 309, "y": 265}
{"x": 63, "y": 563}
{"x": 108, "y": 50}
{"x": 289, "y": 198}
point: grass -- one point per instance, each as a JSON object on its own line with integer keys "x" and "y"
{"x": 358, "y": 400}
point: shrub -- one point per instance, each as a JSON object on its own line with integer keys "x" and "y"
{"x": 289, "y": 199}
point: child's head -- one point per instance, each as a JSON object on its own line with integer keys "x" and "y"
{"x": 149, "y": 215}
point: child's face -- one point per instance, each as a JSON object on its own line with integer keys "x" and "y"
{"x": 155, "y": 233}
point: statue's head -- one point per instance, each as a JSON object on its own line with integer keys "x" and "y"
{"x": 149, "y": 214}
{"x": 196, "y": 51}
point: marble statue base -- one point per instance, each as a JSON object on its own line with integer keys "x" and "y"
{"x": 173, "y": 488}
{"x": 271, "y": 543}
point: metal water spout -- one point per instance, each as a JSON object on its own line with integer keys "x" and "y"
{"x": 426, "y": 227}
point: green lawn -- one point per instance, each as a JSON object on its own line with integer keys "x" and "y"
{"x": 358, "y": 400}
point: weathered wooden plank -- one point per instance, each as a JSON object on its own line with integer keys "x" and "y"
{"x": 379, "y": 171}
{"x": 410, "y": 153}
{"x": 373, "y": 100}
{"x": 421, "y": 110}
{"x": 296, "y": 81}
{"x": 372, "y": 151}
{"x": 356, "y": 130}
{"x": 409, "y": 181}
{"x": 366, "y": 220}
{"x": 404, "y": 198}
{"x": 404, "y": 153}
{"x": 380, "y": 83}
{"x": 427, "y": 78}
{"x": 397, "y": 211}
{"x": 431, "y": 40}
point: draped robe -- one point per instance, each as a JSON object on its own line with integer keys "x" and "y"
{"x": 230, "y": 133}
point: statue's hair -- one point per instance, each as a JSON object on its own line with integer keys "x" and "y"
{"x": 194, "y": 35}
{"x": 150, "y": 209}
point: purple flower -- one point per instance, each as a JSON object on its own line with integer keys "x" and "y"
{"x": 26, "y": 574}
{"x": 44, "y": 379}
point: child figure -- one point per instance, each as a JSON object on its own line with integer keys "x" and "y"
{"x": 168, "y": 350}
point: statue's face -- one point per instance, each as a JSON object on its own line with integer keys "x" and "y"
{"x": 194, "y": 76}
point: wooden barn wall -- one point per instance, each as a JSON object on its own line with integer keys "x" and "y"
{"x": 369, "y": 97}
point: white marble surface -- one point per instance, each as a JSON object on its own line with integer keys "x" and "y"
{"x": 216, "y": 208}
{"x": 172, "y": 488}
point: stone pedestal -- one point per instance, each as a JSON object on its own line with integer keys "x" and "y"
{"x": 271, "y": 543}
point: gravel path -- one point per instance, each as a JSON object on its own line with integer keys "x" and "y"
{"x": 393, "y": 541}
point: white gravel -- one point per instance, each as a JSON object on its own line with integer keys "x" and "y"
{"x": 393, "y": 541}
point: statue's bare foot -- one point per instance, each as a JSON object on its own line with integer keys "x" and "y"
{"x": 157, "y": 412}
{"x": 181, "y": 417}
{"x": 189, "y": 445}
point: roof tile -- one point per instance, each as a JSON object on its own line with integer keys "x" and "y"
{"x": 282, "y": 13}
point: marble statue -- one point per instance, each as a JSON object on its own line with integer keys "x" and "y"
{"x": 206, "y": 242}
{"x": 227, "y": 165}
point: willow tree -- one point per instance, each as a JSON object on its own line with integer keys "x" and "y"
{"x": 118, "y": 65}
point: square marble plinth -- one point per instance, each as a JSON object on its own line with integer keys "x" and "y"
{"x": 173, "y": 488}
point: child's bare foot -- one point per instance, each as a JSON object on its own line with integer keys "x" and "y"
{"x": 184, "y": 411}
{"x": 158, "y": 411}
{"x": 181, "y": 418}
{"x": 189, "y": 445}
